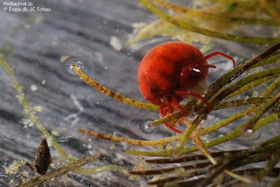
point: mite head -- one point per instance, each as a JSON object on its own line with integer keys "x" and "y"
{"x": 193, "y": 73}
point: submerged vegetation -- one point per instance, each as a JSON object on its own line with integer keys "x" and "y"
{"x": 260, "y": 111}
{"x": 229, "y": 91}
{"x": 211, "y": 19}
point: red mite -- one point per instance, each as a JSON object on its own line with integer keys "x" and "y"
{"x": 171, "y": 71}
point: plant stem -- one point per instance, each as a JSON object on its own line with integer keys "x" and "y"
{"x": 184, "y": 25}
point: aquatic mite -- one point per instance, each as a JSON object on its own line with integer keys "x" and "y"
{"x": 172, "y": 71}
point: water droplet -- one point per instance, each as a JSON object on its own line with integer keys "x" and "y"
{"x": 68, "y": 61}
{"x": 124, "y": 145}
{"x": 147, "y": 127}
{"x": 248, "y": 132}
{"x": 27, "y": 123}
{"x": 33, "y": 88}
{"x": 89, "y": 146}
{"x": 205, "y": 138}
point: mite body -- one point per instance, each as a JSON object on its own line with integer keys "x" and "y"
{"x": 171, "y": 71}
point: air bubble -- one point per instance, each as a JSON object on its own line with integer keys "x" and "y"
{"x": 205, "y": 138}
{"x": 89, "y": 146}
{"x": 79, "y": 64}
{"x": 68, "y": 61}
{"x": 248, "y": 132}
{"x": 27, "y": 123}
{"x": 147, "y": 127}
{"x": 124, "y": 145}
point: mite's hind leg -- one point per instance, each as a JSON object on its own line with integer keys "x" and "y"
{"x": 164, "y": 110}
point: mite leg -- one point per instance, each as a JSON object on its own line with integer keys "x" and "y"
{"x": 164, "y": 110}
{"x": 196, "y": 95}
{"x": 221, "y": 54}
{"x": 175, "y": 105}
{"x": 207, "y": 66}
{"x": 174, "y": 129}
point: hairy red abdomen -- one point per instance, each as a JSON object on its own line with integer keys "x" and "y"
{"x": 160, "y": 71}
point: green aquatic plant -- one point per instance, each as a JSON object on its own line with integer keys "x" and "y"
{"x": 229, "y": 86}
{"x": 232, "y": 85}
{"x": 69, "y": 163}
{"x": 60, "y": 171}
{"x": 217, "y": 19}
{"x": 195, "y": 170}
{"x": 229, "y": 91}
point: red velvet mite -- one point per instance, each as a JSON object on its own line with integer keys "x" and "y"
{"x": 171, "y": 71}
